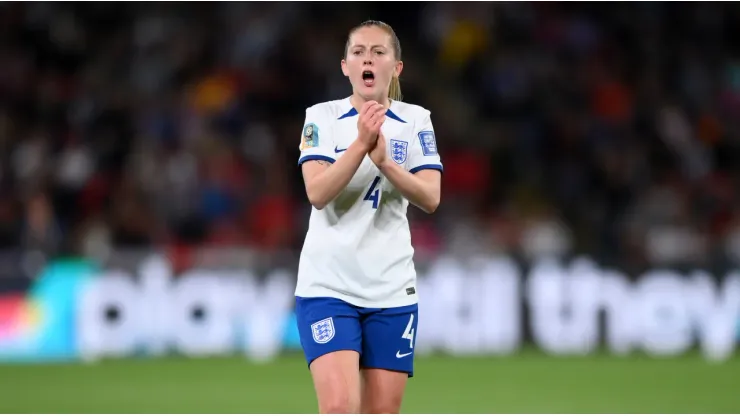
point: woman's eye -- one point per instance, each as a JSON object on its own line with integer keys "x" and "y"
{"x": 357, "y": 52}
{"x": 380, "y": 52}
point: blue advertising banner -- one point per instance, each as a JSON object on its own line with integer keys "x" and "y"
{"x": 40, "y": 323}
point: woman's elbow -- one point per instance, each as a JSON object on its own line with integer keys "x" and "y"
{"x": 317, "y": 203}
{"x": 316, "y": 200}
{"x": 432, "y": 204}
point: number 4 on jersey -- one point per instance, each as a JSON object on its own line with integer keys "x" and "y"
{"x": 373, "y": 194}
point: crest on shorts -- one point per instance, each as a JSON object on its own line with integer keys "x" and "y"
{"x": 399, "y": 150}
{"x": 323, "y": 330}
{"x": 310, "y": 137}
{"x": 428, "y": 143}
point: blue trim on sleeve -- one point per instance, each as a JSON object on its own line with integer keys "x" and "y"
{"x": 424, "y": 167}
{"x": 309, "y": 158}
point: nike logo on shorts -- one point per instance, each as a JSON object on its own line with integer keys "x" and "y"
{"x": 399, "y": 355}
{"x": 338, "y": 150}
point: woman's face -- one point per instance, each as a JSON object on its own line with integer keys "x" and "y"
{"x": 370, "y": 62}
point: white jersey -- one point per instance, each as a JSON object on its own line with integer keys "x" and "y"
{"x": 358, "y": 248}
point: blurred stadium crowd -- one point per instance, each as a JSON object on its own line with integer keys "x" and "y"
{"x": 611, "y": 130}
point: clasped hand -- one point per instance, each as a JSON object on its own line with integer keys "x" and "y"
{"x": 372, "y": 117}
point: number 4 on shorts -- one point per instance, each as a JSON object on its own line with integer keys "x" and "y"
{"x": 409, "y": 332}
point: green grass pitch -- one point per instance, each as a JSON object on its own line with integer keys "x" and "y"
{"x": 529, "y": 382}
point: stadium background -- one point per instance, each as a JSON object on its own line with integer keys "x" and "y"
{"x": 164, "y": 136}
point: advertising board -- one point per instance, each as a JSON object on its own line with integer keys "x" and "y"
{"x": 487, "y": 306}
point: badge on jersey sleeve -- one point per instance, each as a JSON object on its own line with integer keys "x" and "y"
{"x": 428, "y": 143}
{"x": 399, "y": 150}
{"x": 323, "y": 330}
{"x": 310, "y": 136}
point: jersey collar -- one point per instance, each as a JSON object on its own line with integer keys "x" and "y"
{"x": 352, "y": 112}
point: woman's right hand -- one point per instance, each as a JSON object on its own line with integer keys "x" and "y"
{"x": 372, "y": 117}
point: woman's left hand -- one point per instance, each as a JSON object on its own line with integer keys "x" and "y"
{"x": 379, "y": 154}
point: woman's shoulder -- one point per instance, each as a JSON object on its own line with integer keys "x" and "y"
{"x": 331, "y": 110}
{"x": 411, "y": 111}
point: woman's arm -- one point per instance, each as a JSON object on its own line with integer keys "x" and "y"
{"x": 324, "y": 180}
{"x": 422, "y": 188}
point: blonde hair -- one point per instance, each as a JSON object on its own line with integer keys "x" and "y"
{"x": 394, "y": 92}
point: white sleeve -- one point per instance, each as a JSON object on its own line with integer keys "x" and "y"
{"x": 423, "y": 153}
{"x": 317, "y": 142}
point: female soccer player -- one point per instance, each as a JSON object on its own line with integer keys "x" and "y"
{"x": 364, "y": 158}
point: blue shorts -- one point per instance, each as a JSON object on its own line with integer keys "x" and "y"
{"x": 384, "y": 337}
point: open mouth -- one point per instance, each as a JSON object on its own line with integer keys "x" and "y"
{"x": 369, "y": 78}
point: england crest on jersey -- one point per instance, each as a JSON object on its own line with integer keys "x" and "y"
{"x": 323, "y": 330}
{"x": 399, "y": 150}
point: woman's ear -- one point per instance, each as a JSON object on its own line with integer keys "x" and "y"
{"x": 345, "y": 71}
{"x": 399, "y": 69}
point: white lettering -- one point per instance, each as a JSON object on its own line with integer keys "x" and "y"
{"x": 108, "y": 321}
{"x": 266, "y": 315}
{"x": 155, "y": 277}
{"x": 500, "y": 310}
{"x": 564, "y": 306}
{"x": 466, "y": 308}
{"x": 618, "y": 298}
{"x": 715, "y": 314}
{"x": 663, "y": 313}
{"x": 200, "y": 318}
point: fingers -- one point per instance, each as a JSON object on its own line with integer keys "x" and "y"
{"x": 371, "y": 108}
{"x": 374, "y": 112}
{"x": 376, "y": 115}
{"x": 378, "y": 108}
{"x": 372, "y": 117}
{"x": 377, "y": 122}
{"x": 365, "y": 107}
